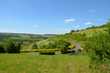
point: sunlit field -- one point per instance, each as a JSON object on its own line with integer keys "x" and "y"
{"x": 33, "y": 63}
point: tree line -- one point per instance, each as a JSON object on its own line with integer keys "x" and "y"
{"x": 10, "y": 46}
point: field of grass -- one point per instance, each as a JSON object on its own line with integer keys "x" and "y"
{"x": 33, "y": 63}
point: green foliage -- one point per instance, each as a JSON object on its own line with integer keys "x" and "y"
{"x": 33, "y": 63}
{"x": 2, "y": 49}
{"x": 109, "y": 30}
{"x": 12, "y": 46}
{"x": 71, "y": 46}
{"x": 46, "y": 44}
{"x": 47, "y": 52}
{"x": 53, "y": 44}
{"x": 34, "y": 46}
{"x": 64, "y": 46}
{"x": 99, "y": 46}
{"x": 96, "y": 43}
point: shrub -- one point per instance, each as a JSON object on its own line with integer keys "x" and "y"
{"x": 99, "y": 46}
{"x": 53, "y": 44}
{"x": 2, "y": 49}
{"x": 34, "y": 46}
{"x": 47, "y": 53}
{"x": 12, "y": 46}
{"x": 64, "y": 46}
{"x": 46, "y": 44}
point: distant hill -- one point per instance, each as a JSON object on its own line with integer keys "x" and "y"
{"x": 24, "y": 36}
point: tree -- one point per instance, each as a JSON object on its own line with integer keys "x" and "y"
{"x": 2, "y": 50}
{"x": 12, "y": 46}
{"x": 63, "y": 45}
{"x": 34, "y": 46}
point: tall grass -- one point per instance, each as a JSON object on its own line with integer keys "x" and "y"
{"x": 32, "y": 63}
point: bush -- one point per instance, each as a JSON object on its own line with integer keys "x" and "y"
{"x": 99, "y": 47}
{"x": 34, "y": 46}
{"x": 2, "y": 49}
{"x": 53, "y": 44}
{"x": 45, "y": 44}
{"x": 12, "y": 46}
{"x": 47, "y": 53}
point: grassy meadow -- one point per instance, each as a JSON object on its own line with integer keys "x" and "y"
{"x": 33, "y": 63}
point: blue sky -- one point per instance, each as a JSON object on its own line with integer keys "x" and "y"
{"x": 51, "y": 16}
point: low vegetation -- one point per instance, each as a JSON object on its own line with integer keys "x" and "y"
{"x": 33, "y": 63}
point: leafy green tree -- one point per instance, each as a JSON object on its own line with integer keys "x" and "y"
{"x": 55, "y": 43}
{"x": 34, "y": 46}
{"x": 2, "y": 49}
{"x": 12, "y": 46}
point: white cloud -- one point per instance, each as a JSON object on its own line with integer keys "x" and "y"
{"x": 88, "y": 23}
{"x": 69, "y": 20}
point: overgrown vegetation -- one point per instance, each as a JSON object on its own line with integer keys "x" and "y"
{"x": 32, "y": 63}
{"x": 10, "y": 46}
{"x": 97, "y": 47}
{"x": 2, "y": 50}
